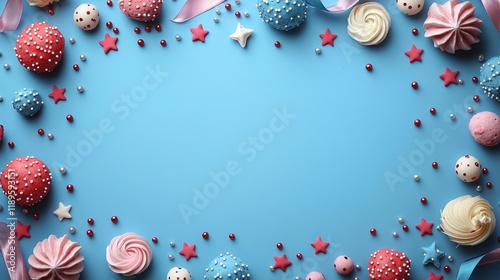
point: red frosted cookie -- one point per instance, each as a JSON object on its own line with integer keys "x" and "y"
{"x": 388, "y": 264}
{"x": 26, "y": 180}
{"x": 40, "y": 47}
{"x": 141, "y": 10}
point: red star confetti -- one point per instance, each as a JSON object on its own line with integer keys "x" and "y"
{"x": 433, "y": 276}
{"x": 424, "y": 227}
{"x": 57, "y": 94}
{"x": 22, "y": 230}
{"x": 188, "y": 251}
{"x": 281, "y": 262}
{"x": 414, "y": 54}
{"x": 327, "y": 38}
{"x": 109, "y": 43}
{"x": 449, "y": 77}
{"x": 320, "y": 246}
{"x": 199, "y": 33}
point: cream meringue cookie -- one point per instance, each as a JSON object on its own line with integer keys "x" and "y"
{"x": 55, "y": 259}
{"x": 468, "y": 220}
{"x": 368, "y": 23}
{"x": 129, "y": 254}
{"x": 41, "y": 3}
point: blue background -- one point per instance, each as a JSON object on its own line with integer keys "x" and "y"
{"x": 145, "y": 154}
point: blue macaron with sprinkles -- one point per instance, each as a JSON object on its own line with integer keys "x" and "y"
{"x": 227, "y": 267}
{"x": 27, "y": 102}
{"x": 282, "y": 14}
{"x": 490, "y": 77}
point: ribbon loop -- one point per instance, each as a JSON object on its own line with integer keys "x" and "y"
{"x": 11, "y": 252}
{"x": 468, "y": 267}
{"x": 492, "y": 7}
{"x": 194, "y": 8}
{"x": 339, "y": 7}
{"x": 11, "y": 15}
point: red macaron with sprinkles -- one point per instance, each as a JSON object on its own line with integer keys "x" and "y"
{"x": 26, "y": 180}
{"x": 388, "y": 264}
{"x": 40, "y": 47}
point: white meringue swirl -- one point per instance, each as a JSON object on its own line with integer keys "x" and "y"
{"x": 368, "y": 23}
{"x": 128, "y": 254}
{"x": 468, "y": 220}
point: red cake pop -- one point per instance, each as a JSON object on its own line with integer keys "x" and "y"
{"x": 40, "y": 47}
{"x": 26, "y": 181}
{"x": 388, "y": 264}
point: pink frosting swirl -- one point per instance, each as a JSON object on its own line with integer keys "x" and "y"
{"x": 128, "y": 254}
{"x": 452, "y": 26}
{"x": 56, "y": 259}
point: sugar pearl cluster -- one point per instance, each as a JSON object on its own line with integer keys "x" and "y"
{"x": 227, "y": 266}
{"x": 490, "y": 78}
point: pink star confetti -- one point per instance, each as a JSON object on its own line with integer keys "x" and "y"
{"x": 22, "y": 230}
{"x": 199, "y": 33}
{"x": 327, "y": 38}
{"x": 57, "y": 94}
{"x": 414, "y": 54}
{"x": 449, "y": 77}
{"x": 109, "y": 43}
{"x": 188, "y": 251}
{"x": 281, "y": 262}
{"x": 320, "y": 246}
{"x": 424, "y": 227}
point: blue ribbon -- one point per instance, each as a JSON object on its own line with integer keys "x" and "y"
{"x": 469, "y": 266}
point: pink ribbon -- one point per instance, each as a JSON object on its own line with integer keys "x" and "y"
{"x": 339, "y": 7}
{"x": 492, "y": 7}
{"x": 11, "y": 15}
{"x": 11, "y": 252}
{"x": 194, "y": 8}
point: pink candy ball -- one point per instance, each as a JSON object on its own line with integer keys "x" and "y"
{"x": 485, "y": 128}
{"x": 343, "y": 265}
{"x": 315, "y": 276}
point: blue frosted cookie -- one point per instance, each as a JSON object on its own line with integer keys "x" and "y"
{"x": 228, "y": 267}
{"x": 282, "y": 14}
{"x": 27, "y": 102}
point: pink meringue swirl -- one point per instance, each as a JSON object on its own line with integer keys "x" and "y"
{"x": 56, "y": 259}
{"x": 128, "y": 254}
{"x": 452, "y": 26}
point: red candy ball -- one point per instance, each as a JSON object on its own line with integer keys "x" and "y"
{"x": 389, "y": 263}
{"x": 40, "y": 47}
{"x": 232, "y": 236}
{"x": 205, "y": 235}
{"x": 26, "y": 180}
{"x": 279, "y": 246}
{"x": 369, "y": 67}
{"x": 114, "y": 219}
{"x": 373, "y": 231}
{"x": 90, "y": 233}
{"x": 90, "y": 221}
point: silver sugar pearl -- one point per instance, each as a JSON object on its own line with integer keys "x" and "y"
{"x": 83, "y": 57}
{"x": 246, "y": 14}
{"x": 460, "y": 81}
{"x": 50, "y": 136}
{"x": 62, "y": 170}
{"x": 356, "y": 278}
{"x": 178, "y": 37}
{"x": 416, "y": 178}
{"x": 395, "y": 234}
{"x": 216, "y": 19}
{"x": 358, "y": 267}
{"x": 217, "y": 11}
{"x": 71, "y": 40}
{"x": 479, "y": 188}
{"x": 6, "y": 66}
{"x": 452, "y": 116}
{"x": 170, "y": 257}
{"x": 450, "y": 258}
{"x": 79, "y": 89}
{"x": 237, "y": 2}
{"x": 470, "y": 109}
{"x": 0, "y": 53}
{"x": 480, "y": 57}
{"x": 317, "y": 50}
{"x": 1, "y": 207}
{"x": 72, "y": 230}
{"x": 297, "y": 278}
{"x": 1, "y": 99}
{"x": 401, "y": 220}
{"x": 172, "y": 244}
{"x": 271, "y": 268}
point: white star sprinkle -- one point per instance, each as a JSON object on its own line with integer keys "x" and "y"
{"x": 241, "y": 35}
{"x": 62, "y": 212}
